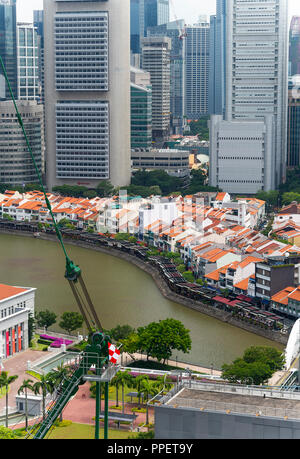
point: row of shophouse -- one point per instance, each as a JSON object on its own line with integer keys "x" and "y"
{"x": 218, "y": 237}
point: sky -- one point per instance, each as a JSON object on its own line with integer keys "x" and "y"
{"x": 189, "y": 10}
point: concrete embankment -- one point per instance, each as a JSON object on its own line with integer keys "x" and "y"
{"x": 221, "y": 315}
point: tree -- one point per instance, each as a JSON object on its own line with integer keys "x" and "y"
{"x": 147, "y": 388}
{"x": 27, "y": 384}
{"x": 105, "y": 189}
{"x": 255, "y": 367}
{"x": 120, "y": 332}
{"x": 159, "y": 339}
{"x": 45, "y": 385}
{"x": 71, "y": 321}
{"x": 123, "y": 378}
{"x": 57, "y": 376}
{"x": 45, "y": 319}
{"x": 131, "y": 344}
{"x": 137, "y": 385}
{"x": 5, "y": 381}
{"x": 31, "y": 327}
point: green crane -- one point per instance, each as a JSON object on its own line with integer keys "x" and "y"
{"x": 96, "y": 354}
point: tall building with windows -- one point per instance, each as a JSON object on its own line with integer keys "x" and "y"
{"x": 293, "y": 142}
{"x": 177, "y": 87}
{"x": 87, "y": 92}
{"x": 255, "y": 92}
{"x": 38, "y": 22}
{"x": 137, "y": 20}
{"x": 16, "y": 166}
{"x": 8, "y": 46}
{"x": 156, "y": 12}
{"x": 217, "y": 63}
{"x": 28, "y": 70}
{"x": 294, "y": 52}
{"x": 141, "y": 108}
{"x": 196, "y": 70}
{"x": 156, "y": 61}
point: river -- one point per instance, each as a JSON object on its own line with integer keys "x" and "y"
{"x": 122, "y": 294}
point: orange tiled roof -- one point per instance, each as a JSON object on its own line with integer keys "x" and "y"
{"x": 7, "y": 291}
{"x": 243, "y": 285}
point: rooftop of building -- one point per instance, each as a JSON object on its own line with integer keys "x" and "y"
{"x": 237, "y": 399}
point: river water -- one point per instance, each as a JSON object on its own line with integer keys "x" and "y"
{"x": 122, "y": 294}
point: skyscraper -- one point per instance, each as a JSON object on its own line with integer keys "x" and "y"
{"x": 255, "y": 92}
{"x": 294, "y": 54}
{"x": 8, "y": 45}
{"x": 28, "y": 68}
{"x": 196, "y": 70}
{"x": 156, "y": 60}
{"x": 38, "y": 22}
{"x": 16, "y": 166}
{"x": 87, "y": 92}
{"x": 217, "y": 63}
{"x": 156, "y": 12}
{"x": 137, "y": 27}
{"x": 141, "y": 108}
{"x": 174, "y": 30}
{"x": 293, "y": 142}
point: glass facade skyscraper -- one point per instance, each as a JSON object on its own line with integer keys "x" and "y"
{"x": 136, "y": 25}
{"x": 157, "y": 12}
{"x": 8, "y": 44}
{"x": 294, "y": 55}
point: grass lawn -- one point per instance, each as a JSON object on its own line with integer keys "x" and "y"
{"x": 85, "y": 432}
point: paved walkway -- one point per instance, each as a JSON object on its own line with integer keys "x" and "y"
{"x": 17, "y": 365}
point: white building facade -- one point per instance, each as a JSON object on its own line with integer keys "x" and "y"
{"x": 256, "y": 91}
{"x": 16, "y": 305}
{"x": 87, "y": 92}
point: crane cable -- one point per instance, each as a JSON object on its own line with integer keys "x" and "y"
{"x": 72, "y": 271}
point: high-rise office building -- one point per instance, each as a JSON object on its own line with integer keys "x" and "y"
{"x": 293, "y": 137}
{"x": 217, "y": 63}
{"x": 87, "y": 92}
{"x": 255, "y": 92}
{"x": 196, "y": 70}
{"x": 294, "y": 54}
{"x": 16, "y": 167}
{"x": 28, "y": 70}
{"x": 141, "y": 108}
{"x": 137, "y": 28}
{"x": 156, "y": 12}
{"x": 38, "y": 22}
{"x": 156, "y": 61}
{"x": 8, "y": 46}
{"x": 175, "y": 31}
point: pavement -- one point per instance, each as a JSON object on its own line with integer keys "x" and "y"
{"x": 17, "y": 365}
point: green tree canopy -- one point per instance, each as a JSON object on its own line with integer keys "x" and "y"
{"x": 45, "y": 318}
{"x": 121, "y": 332}
{"x": 160, "y": 339}
{"x": 71, "y": 321}
{"x": 105, "y": 189}
{"x": 255, "y": 367}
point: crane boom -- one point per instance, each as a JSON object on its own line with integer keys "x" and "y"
{"x": 73, "y": 272}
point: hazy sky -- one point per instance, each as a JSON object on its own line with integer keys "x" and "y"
{"x": 184, "y": 9}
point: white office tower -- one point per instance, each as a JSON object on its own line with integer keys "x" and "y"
{"x": 87, "y": 92}
{"x": 256, "y": 99}
{"x": 196, "y": 69}
{"x": 28, "y": 69}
